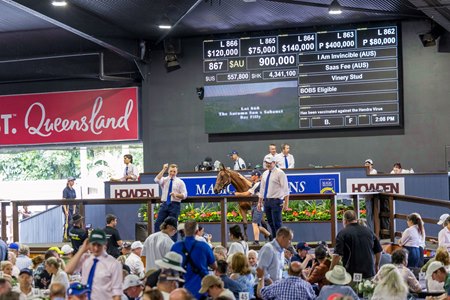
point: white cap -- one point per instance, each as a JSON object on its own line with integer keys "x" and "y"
{"x": 136, "y": 245}
{"x": 433, "y": 267}
{"x": 369, "y": 161}
{"x": 130, "y": 281}
{"x": 66, "y": 249}
{"x": 442, "y": 219}
{"x": 269, "y": 158}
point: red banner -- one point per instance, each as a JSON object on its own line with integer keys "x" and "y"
{"x": 69, "y": 117}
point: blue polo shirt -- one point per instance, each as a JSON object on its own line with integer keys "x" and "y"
{"x": 202, "y": 256}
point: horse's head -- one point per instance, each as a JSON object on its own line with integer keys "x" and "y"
{"x": 223, "y": 179}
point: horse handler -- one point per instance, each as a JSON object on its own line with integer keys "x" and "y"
{"x": 173, "y": 192}
{"x": 274, "y": 192}
{"x": 258, "y": 223}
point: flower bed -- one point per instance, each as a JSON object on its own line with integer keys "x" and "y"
{"x": 298, "y": 211}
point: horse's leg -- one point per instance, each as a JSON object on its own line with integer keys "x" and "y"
{"x": 243, "y": 213}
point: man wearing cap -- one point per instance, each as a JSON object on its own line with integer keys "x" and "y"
{"x": 274, "y": 193}
{"x": 272, "y": 152}
{"x": 14, "y": 248}
{"x": 436, "y": 271}
{"x": 25, "y": 287}
{"x": 100, "y": 271}
{"x": 78, "y": 291}
{"x": 239, "y": 163}
{"x": 168, "y": 281}
{"x": 125, "y": 250}
{"x": 134, "y": 260}
{"x": 67, "y": 253}
{"x": 302, "y": 255}
{"x": 444, "y": 233}
{"x": 132, "y": 287}
{"x": 339, "y": 280}
{"x": 77, "y": 233}
{"x": 197, "y": 257}
{"x": 170, "y": 261}
{"x": 68, "y": 210}
{"x": 213, "y": 285}
{"x": 368, "y": 163}
{"x": 258, "y": 223}
{"x": 173, "y": 192}
{"x": 159, "y": 243}
{"x": 284, "y": 159}
{"x": 291, "y": 287}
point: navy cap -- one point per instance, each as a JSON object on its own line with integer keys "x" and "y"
{"x": 76, "y": 289}
{"x": 234, "y": 152}
{"x": 303, "y": 246}
{"x": 26, "y": 271}
{"x": 256, "y": 172}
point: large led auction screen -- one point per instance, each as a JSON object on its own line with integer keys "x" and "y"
{"x": 333, "y": 79}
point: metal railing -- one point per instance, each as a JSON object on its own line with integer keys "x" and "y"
{"x": 223, "y": 200}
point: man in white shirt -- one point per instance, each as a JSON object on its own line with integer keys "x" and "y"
{"x": 134, "y": 260}
{"x": 239, "y": 163}
{"x": 159, "y": 243}
{"x": 130, "y": 172}
{"x": 285, "y": 160}
{"x": 173, "y": 192}
{"x": 274, "y": 193}
{"x": 102, "y": 272}
{"x": 272, "y": 152}
{"x": 369, "y": 164}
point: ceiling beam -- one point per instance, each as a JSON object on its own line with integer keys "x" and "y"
{"x": 435, "y": 10}
{"x": 347, "y": 8}
{"x": 84, "y": 24}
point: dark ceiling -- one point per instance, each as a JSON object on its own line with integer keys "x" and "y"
{"x": 39, "y": 41}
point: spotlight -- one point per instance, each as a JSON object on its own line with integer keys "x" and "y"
{"x": 200, "y": 93}
{"x": 172, "y": 47}
{"x": 429, "y": 39}
{"x": 335, "y": 8}
{"x": 165, "y": 23}
{"x": 172, "y": 63}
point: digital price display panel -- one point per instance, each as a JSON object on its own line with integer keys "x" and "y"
{"x": 338, "y": 79}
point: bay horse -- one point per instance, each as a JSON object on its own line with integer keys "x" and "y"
{"x": 241, "y": 184}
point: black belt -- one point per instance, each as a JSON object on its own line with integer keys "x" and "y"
{"x": 272, "y": 199}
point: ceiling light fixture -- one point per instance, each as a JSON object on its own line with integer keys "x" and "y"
{"x": 59, "y": 3}
{"x": 165, "y": 23}
{"x": 335, "y": 8}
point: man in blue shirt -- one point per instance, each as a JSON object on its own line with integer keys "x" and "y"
{"x": 271, "y": 255}
{"x": 197, "y": 257}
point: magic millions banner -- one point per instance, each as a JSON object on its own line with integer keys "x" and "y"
{"x": 85, "y": 116}
{"x": 298, "y": 184}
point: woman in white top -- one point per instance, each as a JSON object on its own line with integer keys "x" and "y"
{"x": 444, "y": 234}
{"x": 53, "y": 267}
{"x": 413, "y": 238}
{"x": 237, "y": 241}
{"x": 391, "y": 286}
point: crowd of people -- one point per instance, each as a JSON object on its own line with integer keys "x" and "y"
{"x": 102, "y": 266}
{"x": 178, "y": 262}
